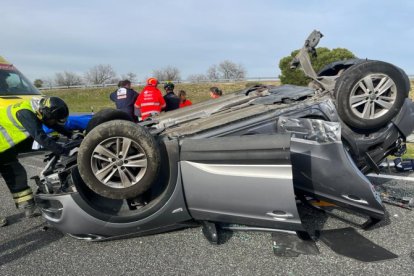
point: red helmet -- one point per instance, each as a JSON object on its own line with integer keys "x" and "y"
{"x": 152, "y": 82}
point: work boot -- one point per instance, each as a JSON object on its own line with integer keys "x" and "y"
{"x": 3, "y": 221}
{"x": 24, "y": 200}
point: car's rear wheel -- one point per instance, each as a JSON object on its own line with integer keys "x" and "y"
{"x": 119, "y": 160}
{"x": 370, "y": 94}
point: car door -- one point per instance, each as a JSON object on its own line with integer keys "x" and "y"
{"x": 240, "y": 179}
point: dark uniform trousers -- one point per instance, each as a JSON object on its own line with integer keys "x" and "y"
{"x": 15, "y": 177}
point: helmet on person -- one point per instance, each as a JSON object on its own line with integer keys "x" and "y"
{"x": 152, "y": 82}
{"x": 53, "y": 108}
{"x": 169, "y": 86}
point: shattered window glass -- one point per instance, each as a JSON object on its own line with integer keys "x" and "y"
{"x": 310, "y": 129}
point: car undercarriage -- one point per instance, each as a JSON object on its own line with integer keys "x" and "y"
{"x": 244, "y": 160}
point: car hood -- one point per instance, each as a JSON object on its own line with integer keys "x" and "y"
{"x": 8, "y": 100}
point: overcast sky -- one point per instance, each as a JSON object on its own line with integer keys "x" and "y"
{"x": 45, "y": 37}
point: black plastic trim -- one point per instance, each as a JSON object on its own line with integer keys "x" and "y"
{"x": 249, "y": 149}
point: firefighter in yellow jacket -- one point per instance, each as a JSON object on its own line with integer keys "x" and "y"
{"x": 19, "y": 122}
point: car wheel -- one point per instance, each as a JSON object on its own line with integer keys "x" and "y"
{"x": 369, "y": 94}
{"x": 106, "y": 115}
{"x": 119, "y": 160}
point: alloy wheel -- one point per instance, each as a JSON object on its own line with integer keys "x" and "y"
{"x": 373, "y": 96}
{"x": 119, "y": 162}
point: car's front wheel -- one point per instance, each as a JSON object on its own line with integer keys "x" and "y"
{"x": 106, "y": 115}
{"x": 370, "y": 94}
{"x": 119, "y": 160}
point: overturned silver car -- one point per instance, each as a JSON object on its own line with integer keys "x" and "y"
{"x": 246, "y": 159}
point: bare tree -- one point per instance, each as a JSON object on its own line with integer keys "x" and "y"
{"x": 67, "y": 79}
{"x": 132, "y": 77}
{"x": 226, "y": 70}
{"x": 168, "y": 73}
{"x": 115, "y": 80}
{"x": 197, "y": 78}
{"x": 159, "y": 74}
{"x": 48, "y": 82}
{"x": 100, "y": 74}
{"x": 231, "y": 71}
{"x": 212, "y": 73}
{"x": 172, "y": 73}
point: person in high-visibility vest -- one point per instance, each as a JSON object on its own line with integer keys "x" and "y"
{"x": 19, "y": 122}
{"x": 150, "y": 101}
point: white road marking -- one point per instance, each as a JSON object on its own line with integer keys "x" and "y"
{"x": 395, "y": 177}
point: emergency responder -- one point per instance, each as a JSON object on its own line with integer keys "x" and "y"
{"x": 150, "y": 101}
{"x": 171, "y": 100}
{"x": 125, "y": 98}
{"x": 183, "y": 99}
{"x": 18, "y": 122}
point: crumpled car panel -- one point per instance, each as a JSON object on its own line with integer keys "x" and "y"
{"x": 284, "y": 93}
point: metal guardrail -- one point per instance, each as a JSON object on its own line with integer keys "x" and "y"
{"x": 411, "y": 77}
{"x": 143, "y": 83}
{"x": 77, "y": 86}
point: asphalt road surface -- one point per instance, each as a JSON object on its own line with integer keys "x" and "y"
{"x": 27, "y": 250}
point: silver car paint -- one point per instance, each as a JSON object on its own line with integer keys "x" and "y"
{"x": 74, "y": 220}
{"x": 327, "y": 171}
{"x": 259, "y": 195}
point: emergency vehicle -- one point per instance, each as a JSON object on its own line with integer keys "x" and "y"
{"x": 14, "y": 87}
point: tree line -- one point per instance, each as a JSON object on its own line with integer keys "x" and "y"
{"x": 105, "y": 74}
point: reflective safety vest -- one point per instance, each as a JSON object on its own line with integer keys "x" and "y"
{"x": 150, "y": 101}
{"x": 11, "y": 130}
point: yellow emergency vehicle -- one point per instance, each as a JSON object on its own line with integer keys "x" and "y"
{"x": 14, "y": 87}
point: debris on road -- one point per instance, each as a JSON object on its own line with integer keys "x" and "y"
{"x": 403, "y": 202}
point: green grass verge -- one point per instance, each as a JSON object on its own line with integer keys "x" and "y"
{"x": 83, "y": 99}
{"x": 410, "y": 151}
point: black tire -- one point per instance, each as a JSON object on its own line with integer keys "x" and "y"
{"x": 360, "y": 101}
{"x": 101, "y": 153}
{"x": 106, "y": 115}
